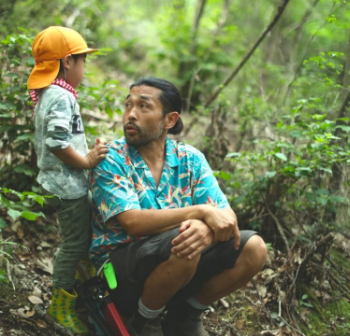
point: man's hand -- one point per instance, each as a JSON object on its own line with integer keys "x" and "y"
{"x": 194, "y": 237}
{"x": 223, "y": 222}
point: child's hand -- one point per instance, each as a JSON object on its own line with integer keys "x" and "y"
{"x": 96, "y": 154}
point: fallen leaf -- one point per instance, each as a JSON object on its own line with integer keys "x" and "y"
{"x": 36, "y": 291}
{"x": 224, "y": 303}
{"x": 276, "y": 332}
{"x": 45, "y": 244}
{"x": 34, "y": 299}
{"x": 262, "y": 290}
{"x": 25, "y": 256}
{"x": 45, "y": 265}
{"x": 30, "y": 313}
{"x": 20, "y": 232}
{"x": 41, "y": 324}
{"x": 15, "y": 226}
{"x": 21, "y": 312}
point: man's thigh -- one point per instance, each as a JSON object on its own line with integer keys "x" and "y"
{"x": 214, "y": 260}
{"x": 134, "y": 262}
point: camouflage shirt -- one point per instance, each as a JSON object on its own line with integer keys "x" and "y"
{"x": 58, "y": 124}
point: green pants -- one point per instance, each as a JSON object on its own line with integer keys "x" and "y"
{"x": 74, "y": 217}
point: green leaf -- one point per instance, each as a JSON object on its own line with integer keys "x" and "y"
{"x": 40, "y": 199}
{"x": 305, "y": 296}
{"x": 25, "y": 170}
{"x": 239, "y": 199}
{"x": 319, "y": 116}
{"x": 225, "y": 176}
{"x": 25, "y": 136}
{"x": 270, "y": 174}
{"x": 234, "y": 154}
{"x": 327, "y": 170}
{"x": 14, "y": 214}
{"x": 307, "y": 169}
{"x": 3, "y": 224}
{"x": 322, "y": 201}
{"x": 281, "y": 156}
{"x": 3, "y": 107}
{"x": 32, "y": 216}
{"x": 295, "y": 134}
{"x": 344, "y": 128}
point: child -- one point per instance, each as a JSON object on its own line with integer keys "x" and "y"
{"x": 63, "y": 157}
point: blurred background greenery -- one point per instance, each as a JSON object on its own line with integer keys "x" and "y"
{"x": 276, "y": 134}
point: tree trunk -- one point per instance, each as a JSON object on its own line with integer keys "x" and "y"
{"x": 336, "y": 179}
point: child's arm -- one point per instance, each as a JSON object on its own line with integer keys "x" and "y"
{"x": 72, "y": 158}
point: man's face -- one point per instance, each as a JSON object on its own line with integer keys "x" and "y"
{"x": 143, "y": 116}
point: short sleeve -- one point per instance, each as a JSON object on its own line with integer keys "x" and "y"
{"x": 60, "y": 113}
{"x": 205, "y": 187}
{"x": 112, "y": 188}
{"x": 58, "y": 121}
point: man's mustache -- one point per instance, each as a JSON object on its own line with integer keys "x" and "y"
{"x": 130, "y": 123}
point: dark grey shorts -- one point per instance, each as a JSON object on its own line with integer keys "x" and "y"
{"x": 135, "y": 261}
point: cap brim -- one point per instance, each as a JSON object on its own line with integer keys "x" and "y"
{"x": 86, "y": 51}
{"x": 43, "y": 74}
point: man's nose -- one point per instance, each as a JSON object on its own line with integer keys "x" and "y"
{"x": 132, "y": 115}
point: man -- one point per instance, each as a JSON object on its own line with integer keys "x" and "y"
{"x": 162, "y": 219}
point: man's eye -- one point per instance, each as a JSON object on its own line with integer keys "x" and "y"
{"x": 127, "y": 105}
{"x": 144, "y": 105}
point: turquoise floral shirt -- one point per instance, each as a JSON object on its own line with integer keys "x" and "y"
{"x": 123, "y": 182}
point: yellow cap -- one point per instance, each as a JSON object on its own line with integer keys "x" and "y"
{"x": 49, "y": 46}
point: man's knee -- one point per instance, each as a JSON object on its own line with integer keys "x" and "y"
{"x": 184, "y": 266}
{"x": 254, "y": 253}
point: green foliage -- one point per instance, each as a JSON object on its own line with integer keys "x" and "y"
{"x": 16, "y": 133}
{"x": 7, "y": 248}
{"x": 19, "y": 204}
{"x": 291, "y": 173}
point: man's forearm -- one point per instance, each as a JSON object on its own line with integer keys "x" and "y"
{"x": 138, "y": 223}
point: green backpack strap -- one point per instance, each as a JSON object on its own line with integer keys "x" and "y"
{"x": 108, "y": 271}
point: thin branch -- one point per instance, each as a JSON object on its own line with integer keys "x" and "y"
{"x": 48, "y": 319}
{"x": 337, "y": 296}
{"x": 344, "y": 106}
{"x": 218, "y": 28}
{"x": 303, "y": 21}
{"x": 245, "y": 59}
{"x": 198, "y": 18}
{"x": 279, "y": 228}
{"x": 323, "y": 242}
{"x": 298, "y": 70}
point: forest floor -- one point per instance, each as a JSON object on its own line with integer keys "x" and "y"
{"x": 257, "y": 309}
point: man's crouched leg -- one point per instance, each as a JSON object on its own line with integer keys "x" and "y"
{"x": 141, "y": 326}
{"x": 184, "y": 320}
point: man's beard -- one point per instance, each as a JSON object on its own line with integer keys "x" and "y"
{"x": 143, "y": 138}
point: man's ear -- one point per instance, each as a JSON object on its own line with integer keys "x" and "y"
{"x": 171, "y": 119}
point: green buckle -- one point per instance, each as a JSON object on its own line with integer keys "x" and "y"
{"x": 109, "y": 274}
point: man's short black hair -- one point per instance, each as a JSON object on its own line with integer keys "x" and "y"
{"x": 170, "y": 98}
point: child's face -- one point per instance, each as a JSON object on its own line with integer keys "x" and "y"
{"x": 75, "y": 70}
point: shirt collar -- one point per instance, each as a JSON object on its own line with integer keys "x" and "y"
{"x": 171, "y": 155}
